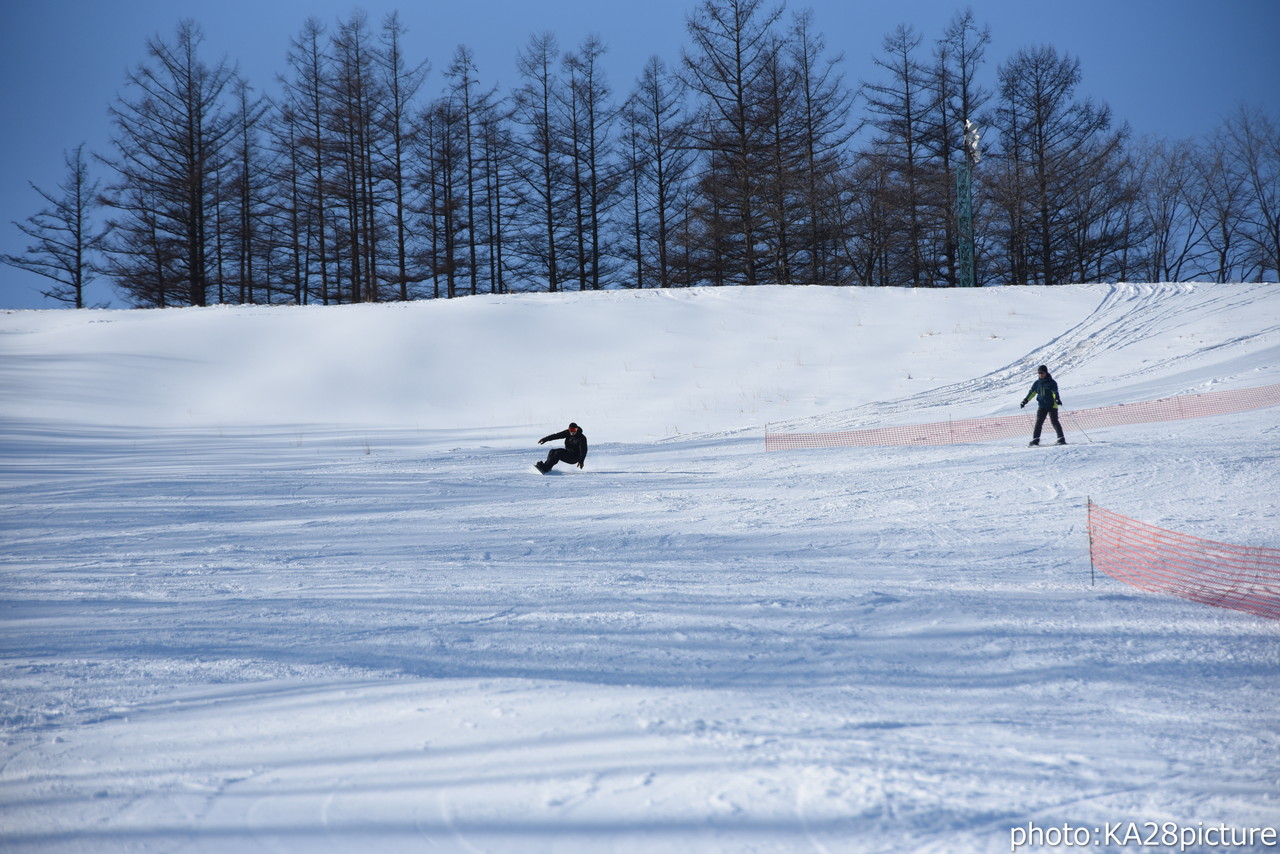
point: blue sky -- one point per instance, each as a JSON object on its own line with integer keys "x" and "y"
{"x": 1168, "y": 67}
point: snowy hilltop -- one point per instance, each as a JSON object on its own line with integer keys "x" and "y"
{"x": 285, "y": 579}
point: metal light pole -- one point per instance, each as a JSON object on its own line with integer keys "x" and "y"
{"x": 966, "y": 275}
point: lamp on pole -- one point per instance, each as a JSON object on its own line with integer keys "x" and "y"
{"x": 965, "y": 273}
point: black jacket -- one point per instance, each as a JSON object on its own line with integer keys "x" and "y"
{"x": 574, "y": 443}
{"x": 1045, "y": 391}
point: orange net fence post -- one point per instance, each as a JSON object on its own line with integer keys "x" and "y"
{"x": 1009, "y": 426}
{"x": 1243, "y": 578}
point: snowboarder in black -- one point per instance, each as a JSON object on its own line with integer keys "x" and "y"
{"x": 1045, "y": 391}
{"x": 574, "y": 450}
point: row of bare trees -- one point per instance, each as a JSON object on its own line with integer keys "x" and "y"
{"x": 746, "y": 164}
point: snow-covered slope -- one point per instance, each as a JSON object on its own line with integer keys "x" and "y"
{"x": 636, "y": 366}
{"x": 284, "y": 579}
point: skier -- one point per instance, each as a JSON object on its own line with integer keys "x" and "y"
{"x": 1045, "y": 391}
{"x": 574, "y": 450}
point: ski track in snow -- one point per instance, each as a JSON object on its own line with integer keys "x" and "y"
{"x": 299, "y": 638}
{"x": 1204, "y": 325}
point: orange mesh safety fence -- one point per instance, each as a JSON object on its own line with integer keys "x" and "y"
{"x": 1008, "y": 426}
{"x": 1243, "y": 578}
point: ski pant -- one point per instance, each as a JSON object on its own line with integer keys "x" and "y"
{"x": 1052, "y": 412}
{"x": 559, "y": 455}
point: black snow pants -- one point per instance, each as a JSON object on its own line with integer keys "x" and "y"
{"x": 1052, "y": 412}
{"x": 560, "y": 455}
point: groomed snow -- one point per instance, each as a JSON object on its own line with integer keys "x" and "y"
{"x": 285, "y": 580}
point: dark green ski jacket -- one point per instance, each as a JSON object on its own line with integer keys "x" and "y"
{"x": 1045, "y": 391}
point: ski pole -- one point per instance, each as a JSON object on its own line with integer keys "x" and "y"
{"x": 1077, "y": 423}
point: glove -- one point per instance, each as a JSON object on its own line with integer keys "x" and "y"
{"x": 542, "y": 441}
{"x": 1022, "y": 405}
{"x": 580, "y": 465}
